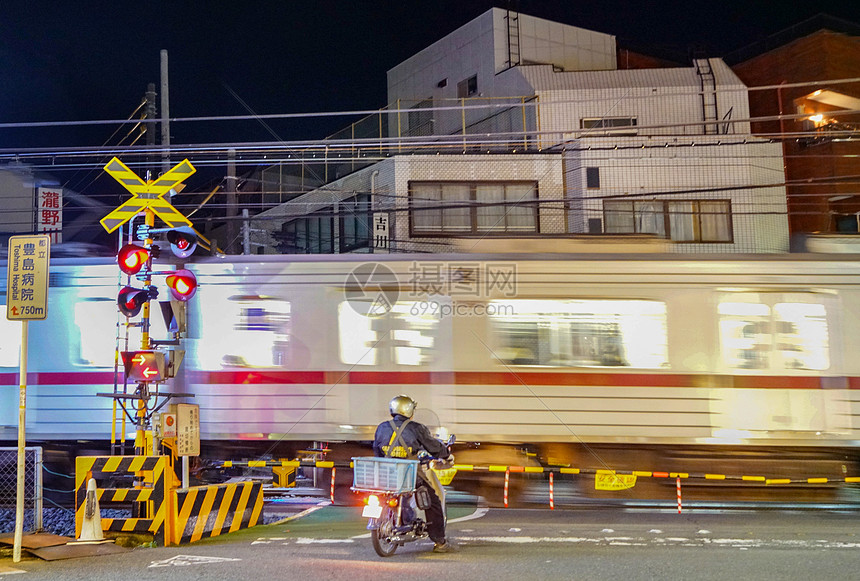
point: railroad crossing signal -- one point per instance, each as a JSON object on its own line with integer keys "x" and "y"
{"x": 144, "y": 365}
{"x": 146, "y": 194}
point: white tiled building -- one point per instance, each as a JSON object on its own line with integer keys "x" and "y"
{"x": 515, "y": 126}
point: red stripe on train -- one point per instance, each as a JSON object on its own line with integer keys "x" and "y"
{"x": 406, "y": 378}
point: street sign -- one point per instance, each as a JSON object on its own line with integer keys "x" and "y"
{"x": 146, "y": 194}
{"x": 27, "y": 277}
{"x": 187, "y": 429}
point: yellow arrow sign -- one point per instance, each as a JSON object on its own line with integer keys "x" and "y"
{"x": 146, "y": 194}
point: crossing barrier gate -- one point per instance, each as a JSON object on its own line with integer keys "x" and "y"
{"x": 172, "y": 515}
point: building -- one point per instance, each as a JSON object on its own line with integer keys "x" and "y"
{"x": 519, "y": 127}
{"x": 808, "y": 101}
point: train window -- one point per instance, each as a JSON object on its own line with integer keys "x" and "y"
{"x": 577, "y": 333}
{"x": 766, "y": 333}
{"x": 10, "y": 341}
{"x": 800, "y": 336}
{"x": 96, "y": 320}
{"x": 250, "y": 331}
{"x": 405, "y": 335}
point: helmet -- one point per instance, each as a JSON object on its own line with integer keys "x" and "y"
{"x": 402, "y": 405}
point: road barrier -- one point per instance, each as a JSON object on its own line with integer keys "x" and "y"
{"x": 171, "y": 515}
{"x": 209, "y": 511}
{"x": 151, "y": 493}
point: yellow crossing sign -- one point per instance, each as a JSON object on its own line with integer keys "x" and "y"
{"x": 146, "y": 194}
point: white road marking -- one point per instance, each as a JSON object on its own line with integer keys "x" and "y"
{"x": 184, "y": 560}
{"x": 9, "y": 571}
{"x": 674, "y": 541}
{"x": 311, "y": 541}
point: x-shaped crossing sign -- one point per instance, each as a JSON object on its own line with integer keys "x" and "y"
{"x": 146, "y": 194}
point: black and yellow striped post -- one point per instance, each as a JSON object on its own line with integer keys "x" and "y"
{"x": 209, "y": 511}
{"x": 153, "y": 497}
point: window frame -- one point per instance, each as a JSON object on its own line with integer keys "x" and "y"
{"x": 474, "y": 228}
{"x": 667, "y": 214}
{"x": 609, "y": 125}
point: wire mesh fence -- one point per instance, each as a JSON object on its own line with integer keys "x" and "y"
{"x": 33, "y": 489}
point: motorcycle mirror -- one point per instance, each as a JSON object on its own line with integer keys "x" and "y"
{"x": 451, "y": 439}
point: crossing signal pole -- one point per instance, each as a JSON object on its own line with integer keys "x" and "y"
{"x": 150, "y": 366}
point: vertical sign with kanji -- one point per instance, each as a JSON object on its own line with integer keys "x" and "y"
{"x": 27, "y": 277}
{"x": 187, "y": 429}
{"x": 379, "y": 231}
{"x": 49, "y": 217}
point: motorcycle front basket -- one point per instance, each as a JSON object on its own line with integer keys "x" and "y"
{"x": 384, "y": 474}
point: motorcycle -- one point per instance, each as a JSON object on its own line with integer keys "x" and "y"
{"x": 395, "y": 506}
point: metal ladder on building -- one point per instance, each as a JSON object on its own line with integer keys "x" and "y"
{"x": 513, "y": 19}
{"x": 708, "y": 84}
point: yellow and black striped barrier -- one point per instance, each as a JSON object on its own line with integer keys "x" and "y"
{"x": 561, "y": 470}
{"x": 172, "y": 516}
{"x": 209, "y": 511}
{"x": 152, "y": 469}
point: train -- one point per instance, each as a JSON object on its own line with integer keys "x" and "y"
{"x": 643, "y": 361}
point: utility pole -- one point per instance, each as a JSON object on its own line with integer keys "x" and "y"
{"x": 149, "y": 127}
{"x": 165, "y": 115}
{"x": 232, "y": 204}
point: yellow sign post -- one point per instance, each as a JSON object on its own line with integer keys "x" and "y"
{"x": 26, "y": 298}
{"x": 146, "y": 195}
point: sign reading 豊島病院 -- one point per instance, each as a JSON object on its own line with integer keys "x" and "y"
{"x": 27, "y": 277}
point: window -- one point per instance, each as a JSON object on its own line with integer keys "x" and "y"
{"x": 608, "y": 125}
{"x": 774, "y": 332}
{"x": 463, "y": 208}
{"x": 420, "y": 119}
{"x": 405, "y": 335}
{"x": 311, "y": 235}
{"x": 10, "y": 340}
{"x": 355, "y": 220}
{"x": 250, "y": 331}
{"x": 684, "y": 220}
{"x": 580, "y": 333}
{"x": 467, "y": 87}
{"x": 592, "y": 178}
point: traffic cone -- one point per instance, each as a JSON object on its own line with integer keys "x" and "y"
{"x": 91, "y": 530}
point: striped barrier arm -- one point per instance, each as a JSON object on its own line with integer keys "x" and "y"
{"x": 561, "y": 470}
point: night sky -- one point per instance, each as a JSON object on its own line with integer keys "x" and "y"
{"x": 91, "y": 60}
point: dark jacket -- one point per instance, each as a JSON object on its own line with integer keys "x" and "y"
{"x": 416, "y": 437}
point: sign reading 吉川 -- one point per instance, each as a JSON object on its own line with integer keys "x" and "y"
{"x": 27, "y": 277}
{"x": 381, "y": 241}
{"x": 609, "y": 481}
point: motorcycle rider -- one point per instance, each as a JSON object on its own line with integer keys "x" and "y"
{"x": 400, "y": 437}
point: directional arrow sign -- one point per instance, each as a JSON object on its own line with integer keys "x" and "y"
{"x": 146, "y": 194}
{"x": 145, "y": 365}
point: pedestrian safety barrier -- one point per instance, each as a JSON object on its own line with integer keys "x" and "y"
{"x": 33, "y": 484}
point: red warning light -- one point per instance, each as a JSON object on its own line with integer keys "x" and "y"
{"x": 182, "y": 284}
{"x": 132, "y": 258}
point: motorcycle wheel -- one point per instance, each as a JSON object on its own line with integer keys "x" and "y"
{"x": 381, "y": 536}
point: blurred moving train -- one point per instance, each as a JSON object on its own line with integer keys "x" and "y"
{"x": 637, "y": 361}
